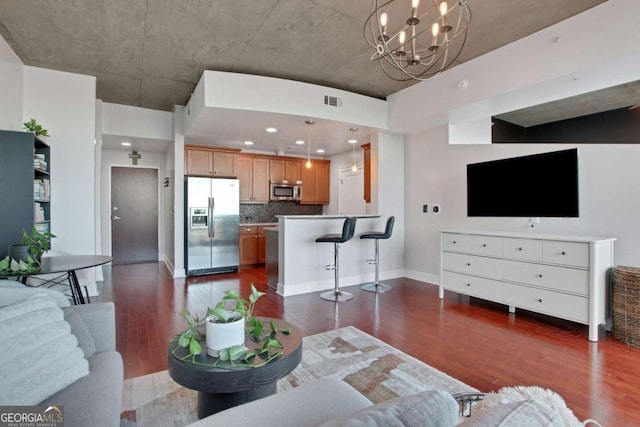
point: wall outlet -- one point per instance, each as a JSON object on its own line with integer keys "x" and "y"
{"x": 425, "y": 208}
{"x": 435, "y": 209}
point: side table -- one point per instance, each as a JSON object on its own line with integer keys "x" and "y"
{"x": 221, "y": 388}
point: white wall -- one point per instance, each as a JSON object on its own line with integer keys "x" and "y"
{"x": 64, "y": 103}
{"x": 151, "y": 160}
{"x": 136, "y": 122}
{"x": 178, "y": 191}
{"x": 436, "y": 174}
{"x": 339, "y": 162}
{"x": 11, "y": 84}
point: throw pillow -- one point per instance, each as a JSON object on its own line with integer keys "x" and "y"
{"x": 434, "y": 408}
{"x": 38, "y": 354}
{"x": 515, "y": 414}
{"x": 545, "y": 397}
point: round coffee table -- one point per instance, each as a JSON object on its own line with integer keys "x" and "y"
{"x": 221, "y": 388}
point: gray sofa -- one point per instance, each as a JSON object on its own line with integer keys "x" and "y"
{"x": 333, "y": 403}
{"x": 96, "y": 399}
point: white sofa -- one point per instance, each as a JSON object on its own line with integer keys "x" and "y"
{"x": 95, "y": 399}
{"x": 333, "y": 403}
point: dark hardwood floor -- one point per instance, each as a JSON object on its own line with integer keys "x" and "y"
{"x": 477, "y": 342}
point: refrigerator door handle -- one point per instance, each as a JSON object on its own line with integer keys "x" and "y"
{"x": 212, "y": 217}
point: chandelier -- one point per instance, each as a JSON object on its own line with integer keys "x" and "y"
{"x": 416, "y": 41}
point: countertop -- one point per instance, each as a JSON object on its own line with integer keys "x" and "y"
{"x": 324, "y": 216}
{"x": 267, "y": 224}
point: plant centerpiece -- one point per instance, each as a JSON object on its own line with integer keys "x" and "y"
{"x": 236, "y": 314}
{"x": 33, "y": 126}
{"x": 27, "y": 256}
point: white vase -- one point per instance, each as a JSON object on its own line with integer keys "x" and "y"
{"x": 223, "y": 335}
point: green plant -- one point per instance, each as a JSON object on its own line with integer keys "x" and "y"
{"x": 33, "y": 126}
{"x": 12, "y": 266}
{"x": 191, "y": 336}
{"x": 37, "y": 242}
{"x": 270, "y": 347}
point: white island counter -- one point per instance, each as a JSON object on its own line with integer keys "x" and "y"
{"x": 301, "y": 261}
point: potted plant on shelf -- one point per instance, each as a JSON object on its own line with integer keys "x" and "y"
{"x": 37, "y": 129}
{"x": 27, "y": 256}
{"x": 238, "y": 321}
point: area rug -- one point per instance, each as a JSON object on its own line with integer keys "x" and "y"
{"x": 377, "y": 370}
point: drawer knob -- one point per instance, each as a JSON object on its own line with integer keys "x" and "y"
{"x": 540, "y": 276}
{"x": 539, "y": 299}
{"x": 519, "y": 249}
{"x": 484, "y": 245}
{"x": 563, "y": 253}
{"x": 468, "y": 284}
{"x": 454, "y": 242}
{"x": 468, "y": 264}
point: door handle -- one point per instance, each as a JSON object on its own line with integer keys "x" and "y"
{"x": 115, "y": 217}
{"x": 212, "y": 217}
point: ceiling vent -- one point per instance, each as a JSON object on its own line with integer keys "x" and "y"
{"x": 332, "y": 101}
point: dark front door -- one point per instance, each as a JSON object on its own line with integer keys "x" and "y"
{"x": 134, "y": 215}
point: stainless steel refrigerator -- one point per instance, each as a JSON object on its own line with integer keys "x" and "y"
{"x": 212, "y": 222}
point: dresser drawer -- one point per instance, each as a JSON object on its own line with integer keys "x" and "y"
{"x": 471, "y": 264}
{"x": 566, "y": 253}
{"x": 455, "y": 242}
{"x": 559, "y": 278}
{"x": 524, "y": 249}
{"x": 248, "y": 229}
{"x": 565, "y": 306}
{"x": 486, "y": 245}
{"x": 470, "y": 285}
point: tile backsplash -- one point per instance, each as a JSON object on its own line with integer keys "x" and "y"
{"x": 267, "y": 212}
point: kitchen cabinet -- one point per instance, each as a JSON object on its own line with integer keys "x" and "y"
{"x": 367, "y": 172}
{"x": 212, "y": 163}
{"x": 315, "y": 183}
{"x": 253, "y": 173}
{"x": 252, "y": 245}
{"x": 285, "y": 169}
{"x": 25, "y": 164}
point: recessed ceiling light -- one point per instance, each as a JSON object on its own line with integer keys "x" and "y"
{"x": 125, "y": 144}
{"x": 248, "y": 143}
{"x": 319, "y": 150}
{"x": 300, "y": 142}
{"x": 352, "y": 141}
{"x": 272, "y": 130}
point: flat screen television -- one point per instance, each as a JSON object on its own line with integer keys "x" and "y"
{"x": 538, "y": 185}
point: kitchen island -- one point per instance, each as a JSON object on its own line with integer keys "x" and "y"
{"x": 302, "y": 261}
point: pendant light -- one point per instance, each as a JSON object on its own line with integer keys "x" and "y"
{"x": 353, "y": 141}
{"x": 308, "y": 164}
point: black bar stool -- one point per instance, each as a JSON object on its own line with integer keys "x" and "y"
{"x": 376, "y": 286}
{"x": 348, "y": 229}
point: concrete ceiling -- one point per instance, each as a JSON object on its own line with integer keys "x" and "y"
{"x": 151, "y": 53}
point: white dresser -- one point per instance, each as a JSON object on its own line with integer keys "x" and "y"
{"x": 561, "y": 276}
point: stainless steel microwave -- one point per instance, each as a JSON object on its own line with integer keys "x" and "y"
{"x": 285, "y": 190}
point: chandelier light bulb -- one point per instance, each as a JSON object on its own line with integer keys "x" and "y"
{"x": 354, "y": 168}
{"x": 435, "y": 29}
{"x": 444, "y": 8}
{"x": 415, "y": 3}
{"x": 383, "y": 20}
{"x": 308, "y": 164}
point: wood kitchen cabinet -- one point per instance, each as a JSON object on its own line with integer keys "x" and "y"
{"x": 211, "y": 163}
{"x": 253, "y": 173}
{"x": 252, "y": 245}
{"x": 315, "y": 183}
{"x": 284, "y": 169}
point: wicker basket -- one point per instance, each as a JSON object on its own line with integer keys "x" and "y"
{"x": 626, "y": 305}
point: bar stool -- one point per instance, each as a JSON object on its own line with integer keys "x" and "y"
{"x": 376, "y": 286}
{"x": 348, "y": 229}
